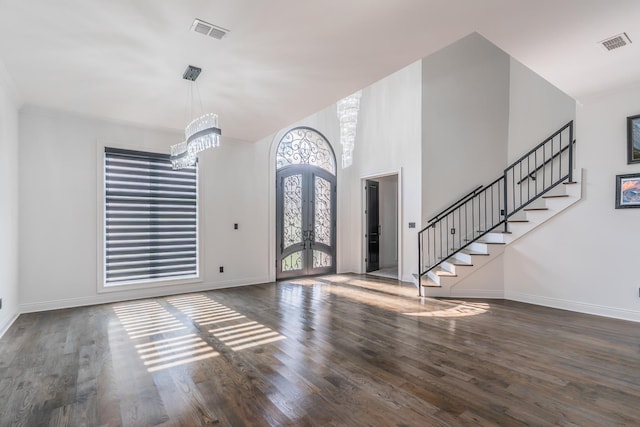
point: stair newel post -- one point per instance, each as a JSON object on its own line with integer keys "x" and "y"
{"x": 420, "y": 264}
{"x": 505, "y": 200}
{"x": 571, "y": 151}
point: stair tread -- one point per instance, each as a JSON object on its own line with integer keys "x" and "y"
{"x": 554, "y": 196}
{"x": 474, "y": 253}
{"x": 460, "y": 264}
{"x": 427, "y": 283}
{"x": 536, "y": 209}
{"x": 518, "y": 220}
{"x": 491, "y": 243}
{"x": 570, "y": 182}
{"x": 442, "y": 273}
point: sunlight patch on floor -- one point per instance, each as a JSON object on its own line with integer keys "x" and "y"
{"x": 399, "y": 298}
{"x": 236, "y": 330}
{"x": 150, "y": 319}
{"x": 462, "y": 309}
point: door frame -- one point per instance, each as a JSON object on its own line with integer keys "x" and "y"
{"x": 363, "y": 218}
{"x": 369, "y": 184}
{"x": 270, "y": 188}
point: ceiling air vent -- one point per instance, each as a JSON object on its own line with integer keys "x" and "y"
{"x": 615, "y": 42}
{"x": 204, "y": 28}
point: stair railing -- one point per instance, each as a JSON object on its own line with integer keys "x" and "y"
{"x": 487, "y": 207}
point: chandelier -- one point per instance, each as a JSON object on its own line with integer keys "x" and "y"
{"x": 201, "y": 134}
{"x": 348, "y": 116}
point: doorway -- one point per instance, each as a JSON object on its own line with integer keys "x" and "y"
{"x": 381, "y": 226}
{"x": 305, "y": 205}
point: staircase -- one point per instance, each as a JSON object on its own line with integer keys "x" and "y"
{"x": 475, "y": 229}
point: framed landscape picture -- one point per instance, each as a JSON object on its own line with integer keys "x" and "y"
{"x": 633, "y": 139}
{"x": 628, "y": 191}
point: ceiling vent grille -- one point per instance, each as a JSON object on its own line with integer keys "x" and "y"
{"x": 206, "y": 29}
{"x": 615, "y": 42}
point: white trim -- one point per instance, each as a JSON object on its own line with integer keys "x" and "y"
{"x": 477, "y": 293}
{"x": 101, "y": 288}
{"x": 363, "y": 220}
{"x": 108, "y": 298}
{"x": 5, "y": 328}
{"x": 580, "y": 307}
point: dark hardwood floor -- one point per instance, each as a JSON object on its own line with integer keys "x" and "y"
{"x": 339, "y": 350}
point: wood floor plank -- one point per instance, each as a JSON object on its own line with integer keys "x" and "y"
{"x": 336, "y": 350}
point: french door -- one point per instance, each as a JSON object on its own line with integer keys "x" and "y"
{"x": 306, "y": 221}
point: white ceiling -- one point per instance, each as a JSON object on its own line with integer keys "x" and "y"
{"x": 286, "y": 59}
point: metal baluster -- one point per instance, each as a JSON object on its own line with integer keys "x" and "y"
{"x": 551, "y": 162}
{"x": 485, "y": 211}
{"x": 473, "y": 222}
{"x": 440, "y": 253}
{"x": 535, "y": 164}
{"x": 434, "y": 246}
{"x": 528, "y": 180}
{"x": 459, "y": 227}
{"x": 420, "y": 262}
{"x": 544, "y": 168}
{"x": 520, "y": 164}
{"x": 571, "y": 151}
{"x": 466, "y": 223}
{"x": 506, "y": 201}
{"x": 560, "y": 154}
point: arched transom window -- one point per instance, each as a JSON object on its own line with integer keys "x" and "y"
{"x": 304, "y": 146}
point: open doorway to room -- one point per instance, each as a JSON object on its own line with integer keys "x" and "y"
{"x": 381, "y": 221}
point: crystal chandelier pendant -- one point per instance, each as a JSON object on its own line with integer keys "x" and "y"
{"x": 181, "y": 157}
{"x": 201, "y": 134}
{"x": 348, "y": 115}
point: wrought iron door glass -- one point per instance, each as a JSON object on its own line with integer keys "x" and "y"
{"x": 323, "y": 211}
{"x": 292, "y": 210}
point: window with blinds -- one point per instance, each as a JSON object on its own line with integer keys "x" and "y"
{"x": 151, "y": 218}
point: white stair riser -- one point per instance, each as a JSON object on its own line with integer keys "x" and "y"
{"x": 431, "y": 275}
{"x": 448, "y": 266}
{"x": 482, "y": 248}
{"x": 494, "y": 237}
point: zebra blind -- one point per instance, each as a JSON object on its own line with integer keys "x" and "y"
{"x": 151, "y": 221}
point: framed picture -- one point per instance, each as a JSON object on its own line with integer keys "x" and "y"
{"x": 628, "y": 191}
{"x": 633, "y": 139}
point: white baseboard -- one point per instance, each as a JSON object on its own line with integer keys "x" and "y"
{"x": 5, "y": 327}
{"x": 477, "y": 293}
{"x": 580, "y": 307}
{"x": 135, "y": 294}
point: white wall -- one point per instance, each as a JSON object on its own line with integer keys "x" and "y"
{"x": 8, "y": 202}
{"x": 388, "y": 141}
{"x": 58, "y": 171}
{"x": 586, "y": 259}
{"x": 536, "y": 109}
{"x": 465, "y": 116}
